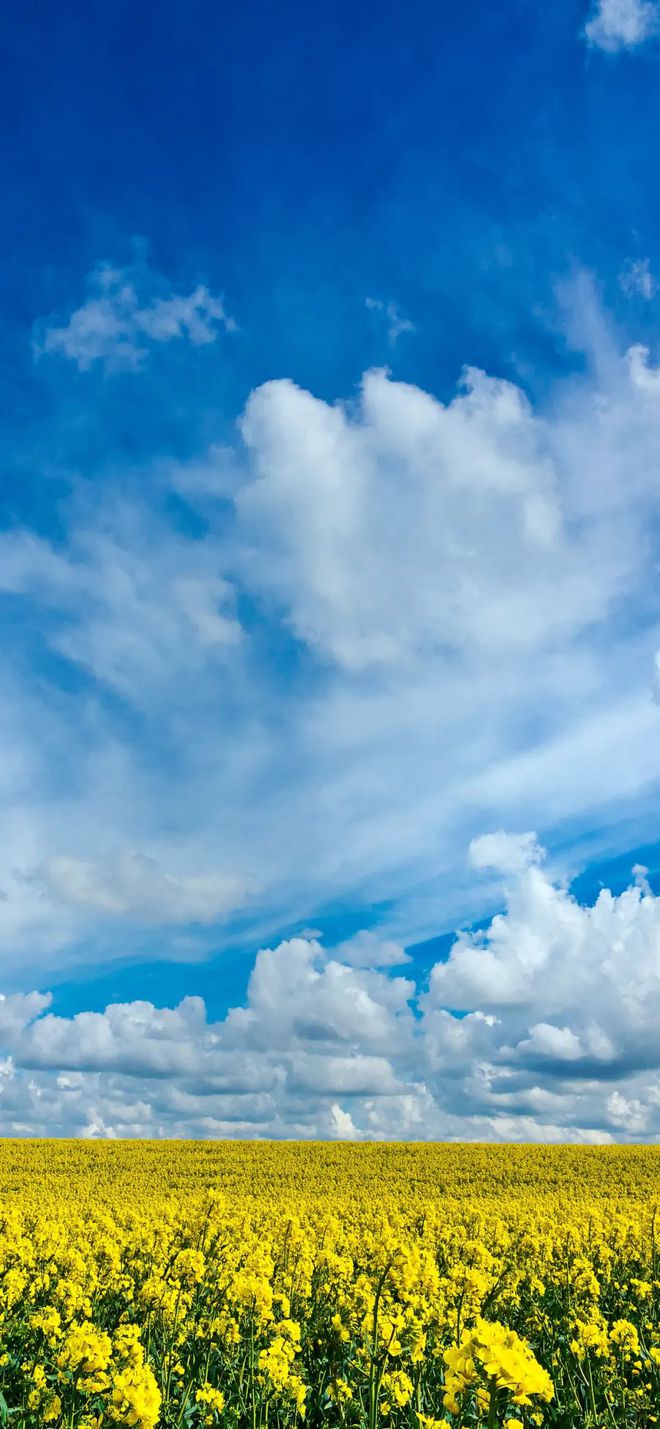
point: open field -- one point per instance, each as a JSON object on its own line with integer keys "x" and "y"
{"x": 255, "y": 1284}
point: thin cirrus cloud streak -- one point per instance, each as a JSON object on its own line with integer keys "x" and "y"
{"x": 552, "y": 1041}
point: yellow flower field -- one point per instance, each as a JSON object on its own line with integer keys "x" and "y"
{"x": 255, "y": 1284}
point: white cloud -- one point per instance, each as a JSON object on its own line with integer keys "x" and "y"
{"x": 379, "y": 628}
{"x": 627, "y": 1113}
{"x": 293, "y": 998}
{"x": 557, "y": 975}
{"x": 508, "y": 853}
{"x": 558, "y": 1041}
{"x": 637, "y": 280}
{"x": 134, "y": 1038}
{"x": 136, "y": 605}
{"x": 544, "y": 1040}
{"x": 448, "y": 493}
{"x": 369, "y": 951}
{"x": 135, "y": 885}
{"x": 18, "y": 1010}
{"x": 342, "y": 1123}
{"x": 395, "y": 323}
{"x": 622, "y": 24}
{"x": 116, "y": 324}
{"x": 480, "y": 541}
{"x": 643, "y": 374}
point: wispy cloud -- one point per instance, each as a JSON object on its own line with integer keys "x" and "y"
{"x": 134, "y": 885}
{"x": 287, "y": 685}
{"x": 637, "y": 280}
{"x": 127, "y": 311}
{"x": 127, "y": 598}
{"x": 395, "y": 324}
{"x": 622, "y": 24}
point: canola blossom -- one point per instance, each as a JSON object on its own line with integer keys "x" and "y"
{"x": 362, "y": 1287}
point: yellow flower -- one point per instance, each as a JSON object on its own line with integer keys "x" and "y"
{"x": 135, "y": 1398}
{"x": 85, "y": 1350}
{"x": 208, "y": 1394}
{"x": 52, "y": 1409}
{"x": 498, "y": 1354}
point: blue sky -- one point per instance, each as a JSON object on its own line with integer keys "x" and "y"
{"x": 328, "y": 570}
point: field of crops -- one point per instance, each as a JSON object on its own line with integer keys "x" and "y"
{"x": 238, "y": 1284}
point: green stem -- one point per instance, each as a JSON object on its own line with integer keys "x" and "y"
{"x": 592, "y": 1392}
{"x": 374, "y": 1380}
{"x": 252, "y": 1398}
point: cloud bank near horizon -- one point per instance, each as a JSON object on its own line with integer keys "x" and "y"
{"x": 533, "y": 1030}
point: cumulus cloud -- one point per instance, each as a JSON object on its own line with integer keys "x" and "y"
{"x": 343, "y": 1125}
{"x": 19, "y": 1009}
{"x": 321, "y": 659}
{"x": 478, "y": 541}
{"x": 508, "y": 853}
{"x": 556, "y": 977}
{"x": 133, "y": 1038}
{"x": 622, "y": 24}
{"x": 432, "y": 579}
{"x": 366, "y": 949}
{"x": 533, "y": 1029}
{"x": 118, "y": 322}
{"x": 323, "y": 1004}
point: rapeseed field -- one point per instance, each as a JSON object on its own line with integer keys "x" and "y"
{"x": 362, "y": 1287}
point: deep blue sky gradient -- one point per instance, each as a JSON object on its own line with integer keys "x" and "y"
{"x": 458, "y": 159}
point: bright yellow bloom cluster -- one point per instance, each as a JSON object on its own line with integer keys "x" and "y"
{"x": 491, "y": 1358}
{"x": 212, "y": 1401}
{"x": 271, "y": 1286}
{"x": 135, "y": 1398}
